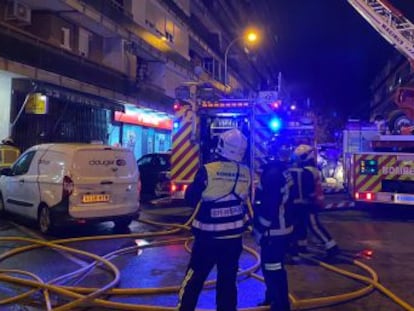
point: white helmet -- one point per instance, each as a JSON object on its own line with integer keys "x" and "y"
{"x": 305, "y": 153}
{"x": 232, "y": 145}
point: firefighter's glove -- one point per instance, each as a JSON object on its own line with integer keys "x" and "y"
{"x": 257, "y": 236}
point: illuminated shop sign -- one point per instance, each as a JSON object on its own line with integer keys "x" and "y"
{"x": 144, "y": 119}
{"x": 36, "y": 104}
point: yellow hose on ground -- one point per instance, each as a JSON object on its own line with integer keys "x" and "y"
{"x": 27, "y": 294}
{"x": 80, "y": 300}
{"x": 89, "y": 296}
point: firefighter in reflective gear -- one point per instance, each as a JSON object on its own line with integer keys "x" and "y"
{"x": 8, "y": 152}
{"x": 220, "y": 193}
{"x": 273, "y": 224}
{"x": 308, "y": 199}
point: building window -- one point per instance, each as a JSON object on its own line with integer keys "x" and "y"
{"x": 156, "y": 19}
{"x": 151, "y": 15}
{"x": 169, "y": 30}
{"x": 65, "y": 39}
{"x": 84, "y": 42}
{"x": 208, "y": 65}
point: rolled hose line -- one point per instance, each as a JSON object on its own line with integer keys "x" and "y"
{"x": 82, "y": 296}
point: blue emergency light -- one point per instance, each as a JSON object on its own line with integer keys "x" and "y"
{"x": 275, "y": 124}
{"x": 176, "y": 124}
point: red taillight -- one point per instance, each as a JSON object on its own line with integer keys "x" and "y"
{"x": 176, "y": 106}
{"x": 179, "y": 187}
{"x": 369, "y": 196}
{"x": 67, "y": 186}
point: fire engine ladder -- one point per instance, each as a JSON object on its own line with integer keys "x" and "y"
{"x": 390, "y": 23}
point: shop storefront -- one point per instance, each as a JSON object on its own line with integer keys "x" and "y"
{"x": 43, "y": 112}
{"x": 142, "y": 130}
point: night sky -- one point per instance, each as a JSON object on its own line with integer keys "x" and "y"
{"x": 325, "y": 50}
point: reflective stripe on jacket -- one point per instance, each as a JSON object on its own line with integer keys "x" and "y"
{"x": 222, "y": 211}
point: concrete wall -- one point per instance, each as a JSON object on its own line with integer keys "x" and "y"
{"x": 5, "y": 95}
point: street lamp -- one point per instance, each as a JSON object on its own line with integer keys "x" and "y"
{"x": 250, "y": 37}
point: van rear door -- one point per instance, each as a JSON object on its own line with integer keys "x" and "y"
{"x": 105, "y": 182}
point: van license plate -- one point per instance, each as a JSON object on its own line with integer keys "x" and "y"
{"x": 94, "y": 198}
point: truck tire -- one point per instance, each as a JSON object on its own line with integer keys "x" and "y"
{"x": 44, "y": 220}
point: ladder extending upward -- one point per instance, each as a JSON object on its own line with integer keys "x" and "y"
{"x": 390, "y": 23}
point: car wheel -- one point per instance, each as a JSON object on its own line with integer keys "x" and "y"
{"x": 122, "y": 223}
{"x": 44, "y": 220}
{"x": 2, "y": 208}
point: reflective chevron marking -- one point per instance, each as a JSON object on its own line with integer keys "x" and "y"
{"x": 389, "y": 168}
{"x": 184, "y": 158}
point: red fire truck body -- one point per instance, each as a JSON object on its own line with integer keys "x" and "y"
{"x": 382, "y": 177}
{"x": 198, "y": 124}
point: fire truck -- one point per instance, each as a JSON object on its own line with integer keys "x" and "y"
{"x": 380, "y": 167}
{"x": 200, "y": 119}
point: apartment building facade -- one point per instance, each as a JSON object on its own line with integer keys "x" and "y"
{"x": 107, "y": 70}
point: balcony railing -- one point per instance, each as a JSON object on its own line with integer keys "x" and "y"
{"x": 27, "y": 49}
{"x": 113, "y": 9}
{"x": 196, "y": 26}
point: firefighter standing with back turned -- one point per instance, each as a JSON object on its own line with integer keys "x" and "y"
{"x": 308, "y": 199}
{"x": 273, "y": 225}
{"x": 220, "y": 191}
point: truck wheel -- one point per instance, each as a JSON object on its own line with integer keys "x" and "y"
{"x": 44, "y": 221}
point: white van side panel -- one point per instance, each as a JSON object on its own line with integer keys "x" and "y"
{"x": 53, "y": 166}
{"x": 97, "y": 163}
{"x": 24, "y": 188}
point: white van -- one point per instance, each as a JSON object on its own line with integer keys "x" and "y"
{"x": 59, "y": 184}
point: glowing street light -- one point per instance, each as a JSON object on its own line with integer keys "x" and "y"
{"x": 249, "y": 37}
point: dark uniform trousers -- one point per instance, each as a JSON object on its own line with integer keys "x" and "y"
{"x": 307, "y": 217}
{"x": 273, "y": 250}
{"x": 206, "y": 253}
{"x": 306, "y": 213}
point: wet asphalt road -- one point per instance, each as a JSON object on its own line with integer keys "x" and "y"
{"x": 387, "y": 233}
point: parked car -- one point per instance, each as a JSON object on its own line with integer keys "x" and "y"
{"x": 154, "y": 169}
{"x": 59, "y": 184}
